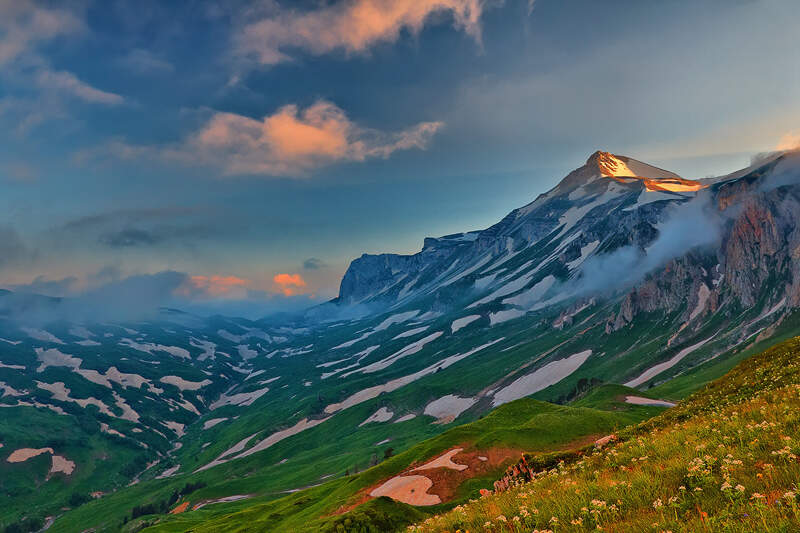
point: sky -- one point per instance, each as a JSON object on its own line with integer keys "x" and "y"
{"x": 238, "y": 155}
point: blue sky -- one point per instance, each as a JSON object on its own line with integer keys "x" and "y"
{"x": 231, "y": 142}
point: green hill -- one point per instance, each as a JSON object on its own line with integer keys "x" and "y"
{"x": 524, "y": 425}
{"x": 725, "y": 459}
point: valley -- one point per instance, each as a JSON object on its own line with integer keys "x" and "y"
{"x": 595, "y": 307}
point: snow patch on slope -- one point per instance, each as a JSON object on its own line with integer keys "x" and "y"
{"x": 541, "y": 378}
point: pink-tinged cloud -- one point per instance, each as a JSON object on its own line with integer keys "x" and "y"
{"x": 351, "y": 25}
{"x": 215, "y": 286}
{"x": 66, "y": 82}
{"x": 790, "y": 141}
{"x": 292, "y": 142}
{"x": 289, "y": 284}
{"x": 24, "y": 24}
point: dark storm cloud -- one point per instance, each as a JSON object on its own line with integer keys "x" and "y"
{"x": 312, "y": 263}
{"x": 139, "y": 236}
{"x": 129, "y": 237}
{"x": 118, "y": 216}
{"x": 128, "y": 228}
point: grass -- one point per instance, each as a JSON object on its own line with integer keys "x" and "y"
{"x": 27, "y": 487}
{"x": 684, "y": 385}
{"x": 726, "y": 459}
{"x": 336, "y": 447}
{"x": 525, "y": 424}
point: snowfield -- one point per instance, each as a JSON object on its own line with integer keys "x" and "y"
{"x": 381, "y": 415}
{"x": 448, "y": 408}
{"x": 666, "y": 365}
{"x": 463, "y": 322}
{"x": 411, "y": 349}
{"x": 183, "y": 384}
{"x": 540, "y": 379}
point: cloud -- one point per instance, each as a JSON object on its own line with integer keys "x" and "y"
{"x": 67, "y": 83}
{"x": 13, "y": 251}
{"x": 351, "y": 25}
{"x": 789, "y": 141}
{"x": 106, "y": 274}
{"x": 130, "y": 237}
{"x": 49, "y": 287}
{"x": 290, "y": 142}
{"x": 693, "y": 224}
{"x": 215, "y": 286}
{"x": 125, "y": 216}
{"x": 785, "y": 172}
{"x": 145, "y": 62}
{"x": 106, "y": 296}
{"x": 25, "y": 114}
{"x": 312, "y": 263}
{"x": 133, "y": 297}
{"x": 129, "y": 228}
{"x": 138, "y": 237}
{"x": 20, "y": 172}
{"x": 24, "y": 25}
{"x": 289, "y": 284}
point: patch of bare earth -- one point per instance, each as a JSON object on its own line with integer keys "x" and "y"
{"x": 438, "y": 479}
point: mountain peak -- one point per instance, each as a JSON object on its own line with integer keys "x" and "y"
{"x": 626, "y": 170}
{"x": 610, "y": 165}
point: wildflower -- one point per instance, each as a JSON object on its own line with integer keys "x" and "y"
{"x": 757, "y": 496}
{"x": 658, "y": 503}
{"x": 740, "y": 488}
{"x": 501, "y": 518}
{"x": 554, "y": 520}
{"x": 789, "y": 495}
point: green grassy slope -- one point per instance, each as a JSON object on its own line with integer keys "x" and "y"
{"x": 526, "y": 424}
{"x": 725, "y": 460}
{"x": 697, "y": 377}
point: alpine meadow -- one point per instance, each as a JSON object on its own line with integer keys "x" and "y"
{"x": 221, "y": 309}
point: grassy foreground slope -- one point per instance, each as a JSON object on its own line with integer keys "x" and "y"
{"x": 726, "y": 459}
{"x": 527, "y": 424}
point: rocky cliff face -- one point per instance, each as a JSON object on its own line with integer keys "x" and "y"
{"x": 755, "y": 259}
